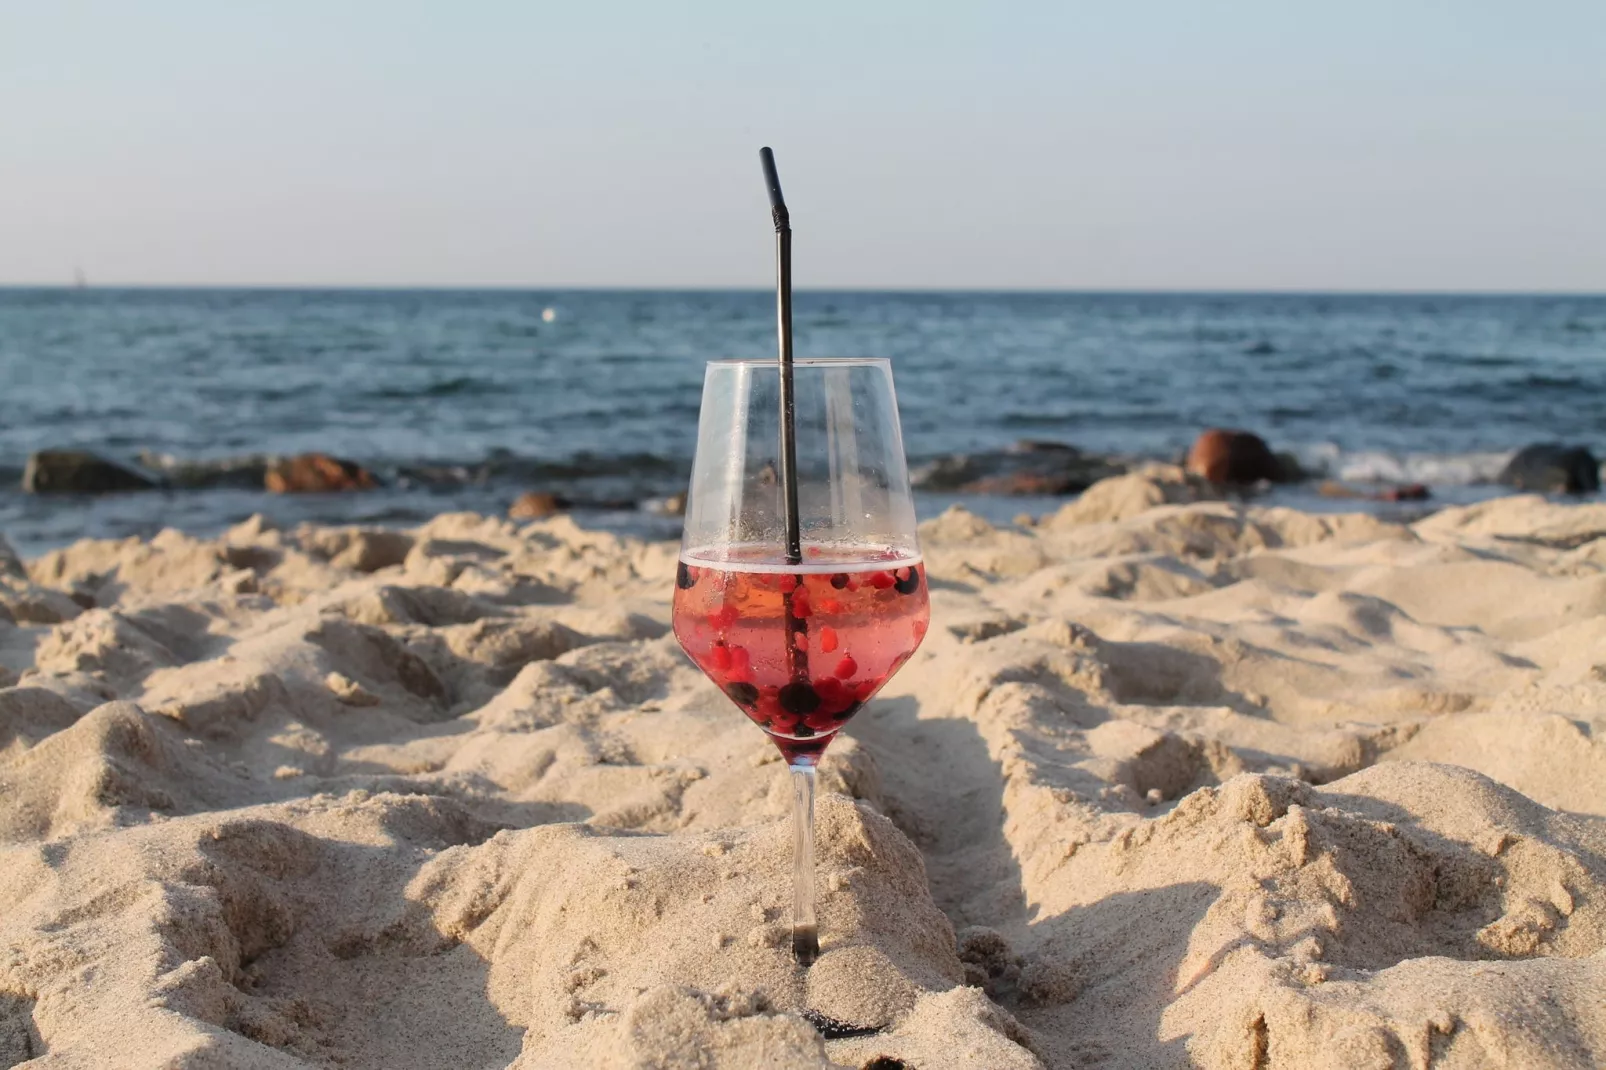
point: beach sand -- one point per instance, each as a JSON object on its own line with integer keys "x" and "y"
{"x": 1172, "y": 782}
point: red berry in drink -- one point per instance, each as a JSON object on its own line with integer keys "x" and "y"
{"x": 827, "y": 638}
{"x": 719, "y": 657}
{"x": 846, "y": 667}
{"x": 821, "y": 721}
{"x": 835, "y": 697}
{"x": 882, "y": 580}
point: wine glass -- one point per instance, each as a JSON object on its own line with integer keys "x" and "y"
{"x": 800, "y": 643}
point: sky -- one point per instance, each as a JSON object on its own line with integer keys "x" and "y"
{"x": 1292, "y": 145}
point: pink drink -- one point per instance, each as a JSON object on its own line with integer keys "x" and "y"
{"x": 800, "y": 648}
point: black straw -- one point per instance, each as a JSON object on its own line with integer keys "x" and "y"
{"x": 783, "y": 324}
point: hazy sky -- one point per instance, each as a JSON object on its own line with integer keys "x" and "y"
{"x": 1285, "y": 145}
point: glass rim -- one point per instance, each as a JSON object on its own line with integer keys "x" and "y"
{"x": 800, "y": 362}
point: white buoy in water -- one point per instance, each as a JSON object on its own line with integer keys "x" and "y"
{"x": 548, "y": 315}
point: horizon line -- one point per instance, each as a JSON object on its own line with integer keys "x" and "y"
{"x": 515, "y": 288}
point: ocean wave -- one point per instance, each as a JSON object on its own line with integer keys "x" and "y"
{"x": 1472, "y": 360}
{"x": 462, "y": 384}
{"x": 1538, "y": 381}
{"x": 1380, "y": 466}
{"x": 587, "y": 465}
{"x": 1073, "y": 419}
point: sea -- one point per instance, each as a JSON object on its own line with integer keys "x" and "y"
{"x": 461, "y": 400}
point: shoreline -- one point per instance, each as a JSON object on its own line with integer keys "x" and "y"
{"x": 205, "y": 497}
{"x": 1172, "y": 780}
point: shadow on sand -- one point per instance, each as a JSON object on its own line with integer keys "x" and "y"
{"x": 1088, "y": 980}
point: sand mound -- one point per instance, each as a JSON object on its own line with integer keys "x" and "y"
{"x": 1174, "y": 782}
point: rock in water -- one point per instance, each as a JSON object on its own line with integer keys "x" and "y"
{"x": 1405, "y": 492}
{"x": 79, "y": 472}
{"x": 10, "y": 563}
{"x": 316, "y": 473}
{"x": 534, "y": 505}
{"x": 1398, "y": 492}
{"x": 1028, "y": 467}
{"x": 1550, "y": 467}
{"x": 246, "y": 473}
{"x": 1232, "y": 457}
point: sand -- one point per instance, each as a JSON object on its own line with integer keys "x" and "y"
{"x": 1173, "y": 782}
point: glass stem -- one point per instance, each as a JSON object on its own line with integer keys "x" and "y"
{"x": 805, "y": 931}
